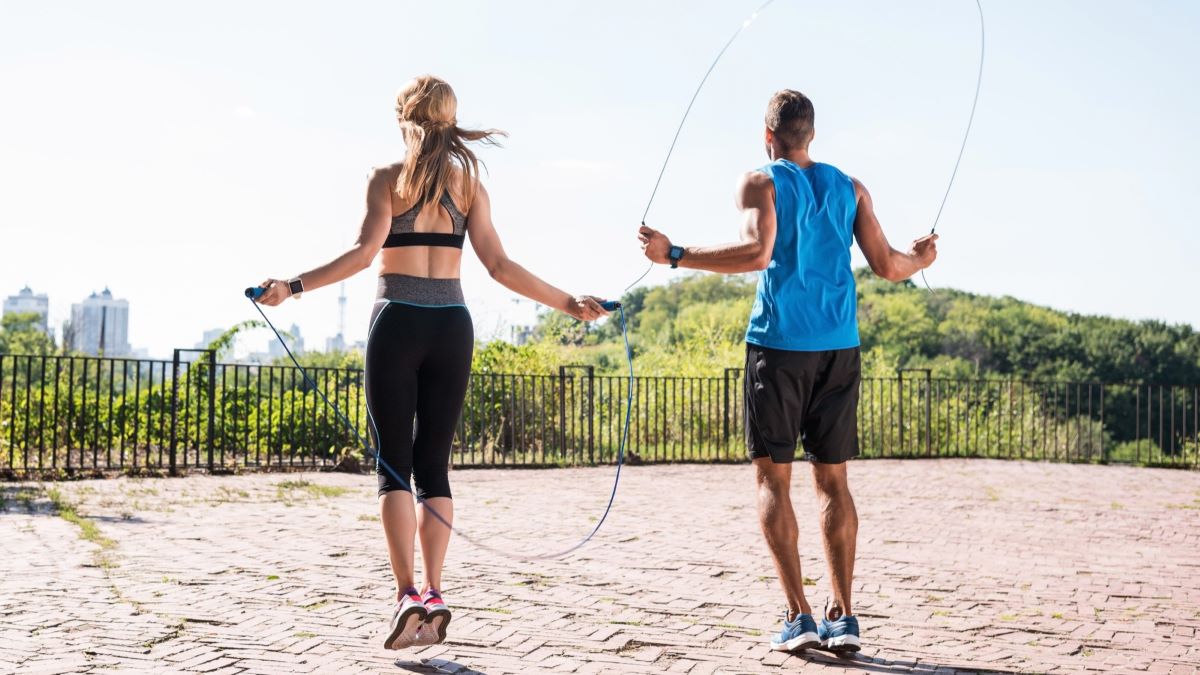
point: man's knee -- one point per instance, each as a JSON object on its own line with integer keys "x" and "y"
{"x": 831, "y": 479}
{"x": 771, "y": 476}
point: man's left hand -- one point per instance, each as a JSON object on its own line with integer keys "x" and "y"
{"x": 655, "y": 244}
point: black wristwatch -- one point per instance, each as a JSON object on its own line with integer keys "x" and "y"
{"x": 675, "y": 254}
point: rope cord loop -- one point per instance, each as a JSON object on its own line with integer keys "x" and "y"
{"x": 379, "y": 461}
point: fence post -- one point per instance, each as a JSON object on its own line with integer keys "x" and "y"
{"x": 900, "y": 407}
{"x": 929, "y": 413}
{"x": 591, "y": 413}
{"x": 562, "y": 411}
{"x": 212, "y": 405}
{"x": 174, "y": 409}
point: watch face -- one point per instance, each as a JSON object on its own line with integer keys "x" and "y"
{"x": 296, "y": 286}
{"x": 676, "y": 252}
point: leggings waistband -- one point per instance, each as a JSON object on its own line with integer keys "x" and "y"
{"x": 419, "y": 290}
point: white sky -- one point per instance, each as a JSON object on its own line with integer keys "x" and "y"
{"x": 177, "y": 153}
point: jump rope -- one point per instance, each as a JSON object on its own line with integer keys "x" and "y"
{"x": 254, "y": 293}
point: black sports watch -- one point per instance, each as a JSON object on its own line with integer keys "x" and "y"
{"x": 296, "y": 287}
{"x": 675, "y": 254}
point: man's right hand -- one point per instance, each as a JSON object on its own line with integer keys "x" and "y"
{"x": 924, "y": 250}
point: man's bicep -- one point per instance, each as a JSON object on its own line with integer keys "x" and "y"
{"x": 756, "y": 199}
{"x": 868, "y": 232}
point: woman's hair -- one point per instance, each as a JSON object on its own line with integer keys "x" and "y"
{"x": 426, "y": 109}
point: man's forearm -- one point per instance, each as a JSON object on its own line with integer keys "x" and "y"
{"x": 902, "y": 266}
{"x": 731, "y": 258}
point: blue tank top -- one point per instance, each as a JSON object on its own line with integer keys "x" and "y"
{"x": 806, "y": 297}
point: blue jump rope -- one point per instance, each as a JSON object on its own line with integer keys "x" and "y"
{"x": 254, "y": 293}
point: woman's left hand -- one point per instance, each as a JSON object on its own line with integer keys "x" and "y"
{"x": 276, "y": 292}
{"x": 585, "y": 308}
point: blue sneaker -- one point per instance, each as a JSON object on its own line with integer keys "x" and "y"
{"x": 840, "y": 635}
{"x": 799, "y": 633}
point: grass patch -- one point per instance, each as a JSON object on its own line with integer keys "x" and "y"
{"x": 809, "y": 581}
{"x": 1008, "y": 617}
{"x": 176, "y": 631}
{"x": 627, "y": 623}
{"x": 316, "y": 605}
{"x": 992, "y": 493}
{"x": 88, "y": 530}
{"x": 933, "y": 598}
{"x": 1117, "y": 506}
{"x": 1056, "y": 615}
{"x": 369, "y": 518}
{"x": 285, "y": 488}
{"x": 941, "y": 612}
{"x": 272, "y": 577}
{"x": 304, "y": 634}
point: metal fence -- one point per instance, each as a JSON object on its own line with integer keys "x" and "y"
{"x": 84, "y": 415}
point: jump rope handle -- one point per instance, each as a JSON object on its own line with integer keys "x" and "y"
{"x": 608, "y": 305}
{"x": 255, "y": 292}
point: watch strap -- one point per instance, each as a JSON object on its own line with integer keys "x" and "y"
{"x": 675, "y": 254}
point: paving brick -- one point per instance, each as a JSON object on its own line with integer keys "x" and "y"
{"x": 964, "y": 566}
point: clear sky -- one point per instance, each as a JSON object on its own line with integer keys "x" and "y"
{"x": 178, "y": 152}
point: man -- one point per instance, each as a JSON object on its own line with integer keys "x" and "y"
{"x": 802, "y": 357}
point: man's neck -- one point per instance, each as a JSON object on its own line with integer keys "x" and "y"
{"x": 798, "y": 157}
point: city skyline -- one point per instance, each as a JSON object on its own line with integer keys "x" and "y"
{"x": 206, "y": 175}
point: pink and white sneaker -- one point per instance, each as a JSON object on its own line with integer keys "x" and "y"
{"x": 407, "y": 620}
{"x": 437, "y": 619}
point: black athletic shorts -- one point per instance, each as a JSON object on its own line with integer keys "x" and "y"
{"x": 810, "y": 397}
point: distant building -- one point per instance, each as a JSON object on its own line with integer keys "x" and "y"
{"x": 100, "y": 324}
{"x": 295, "y": 342}
{"x": 337, "y": 343}
{"x": 521, "y": 335}
{"x": 209, "y": 336}
{"x": 26, "y": 302}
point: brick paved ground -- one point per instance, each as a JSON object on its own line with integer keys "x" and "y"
{"x": 964, "y": 566}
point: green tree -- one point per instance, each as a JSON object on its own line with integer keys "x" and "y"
{"x": 20, "y": 334}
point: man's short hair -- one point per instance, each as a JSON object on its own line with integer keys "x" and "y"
{"x": 790, "y": 116}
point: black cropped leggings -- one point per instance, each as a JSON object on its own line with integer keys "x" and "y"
{"x": 418, "y": 361}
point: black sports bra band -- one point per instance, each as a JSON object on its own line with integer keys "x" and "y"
{"x": 423, "y": 239}
{"x": 403, "y": 225}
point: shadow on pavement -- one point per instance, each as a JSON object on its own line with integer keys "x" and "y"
{"x": 875, "y": 664}
{"x": 434, "y": 666}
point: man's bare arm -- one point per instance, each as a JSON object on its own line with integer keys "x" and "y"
{"x": 756, "y": 200}
{"x": 884, "y": 260}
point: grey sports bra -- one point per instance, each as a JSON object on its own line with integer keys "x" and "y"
{"x": 403, "y": 233}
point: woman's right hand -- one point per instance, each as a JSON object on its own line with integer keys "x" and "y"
{"x": 585, "y": 308}
{"x": 276, "y": 292}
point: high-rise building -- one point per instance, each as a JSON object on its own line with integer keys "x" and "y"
{"x": 337, "y": 343}
{"x": 295, "y": 342}
{"x": 27, "y": 302}
{"x": 100, "y": 324}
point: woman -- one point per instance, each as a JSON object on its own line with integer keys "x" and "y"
{"x": 419, "y": 345}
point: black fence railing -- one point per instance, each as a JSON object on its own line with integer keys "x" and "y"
{"x": 63, "y": 415}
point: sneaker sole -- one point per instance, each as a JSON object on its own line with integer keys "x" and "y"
{"x": 802, "y": 641}
{"x": 842, "y": 644}
{"x": 439, "y": 621}
{"x": 405, "y": 631}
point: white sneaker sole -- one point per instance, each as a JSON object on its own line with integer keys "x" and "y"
{"x": 842, "y": 643}
{"x": 433, "y": 631}
{"x": 801, "y": 641}
{"x": 404, "y": 632}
